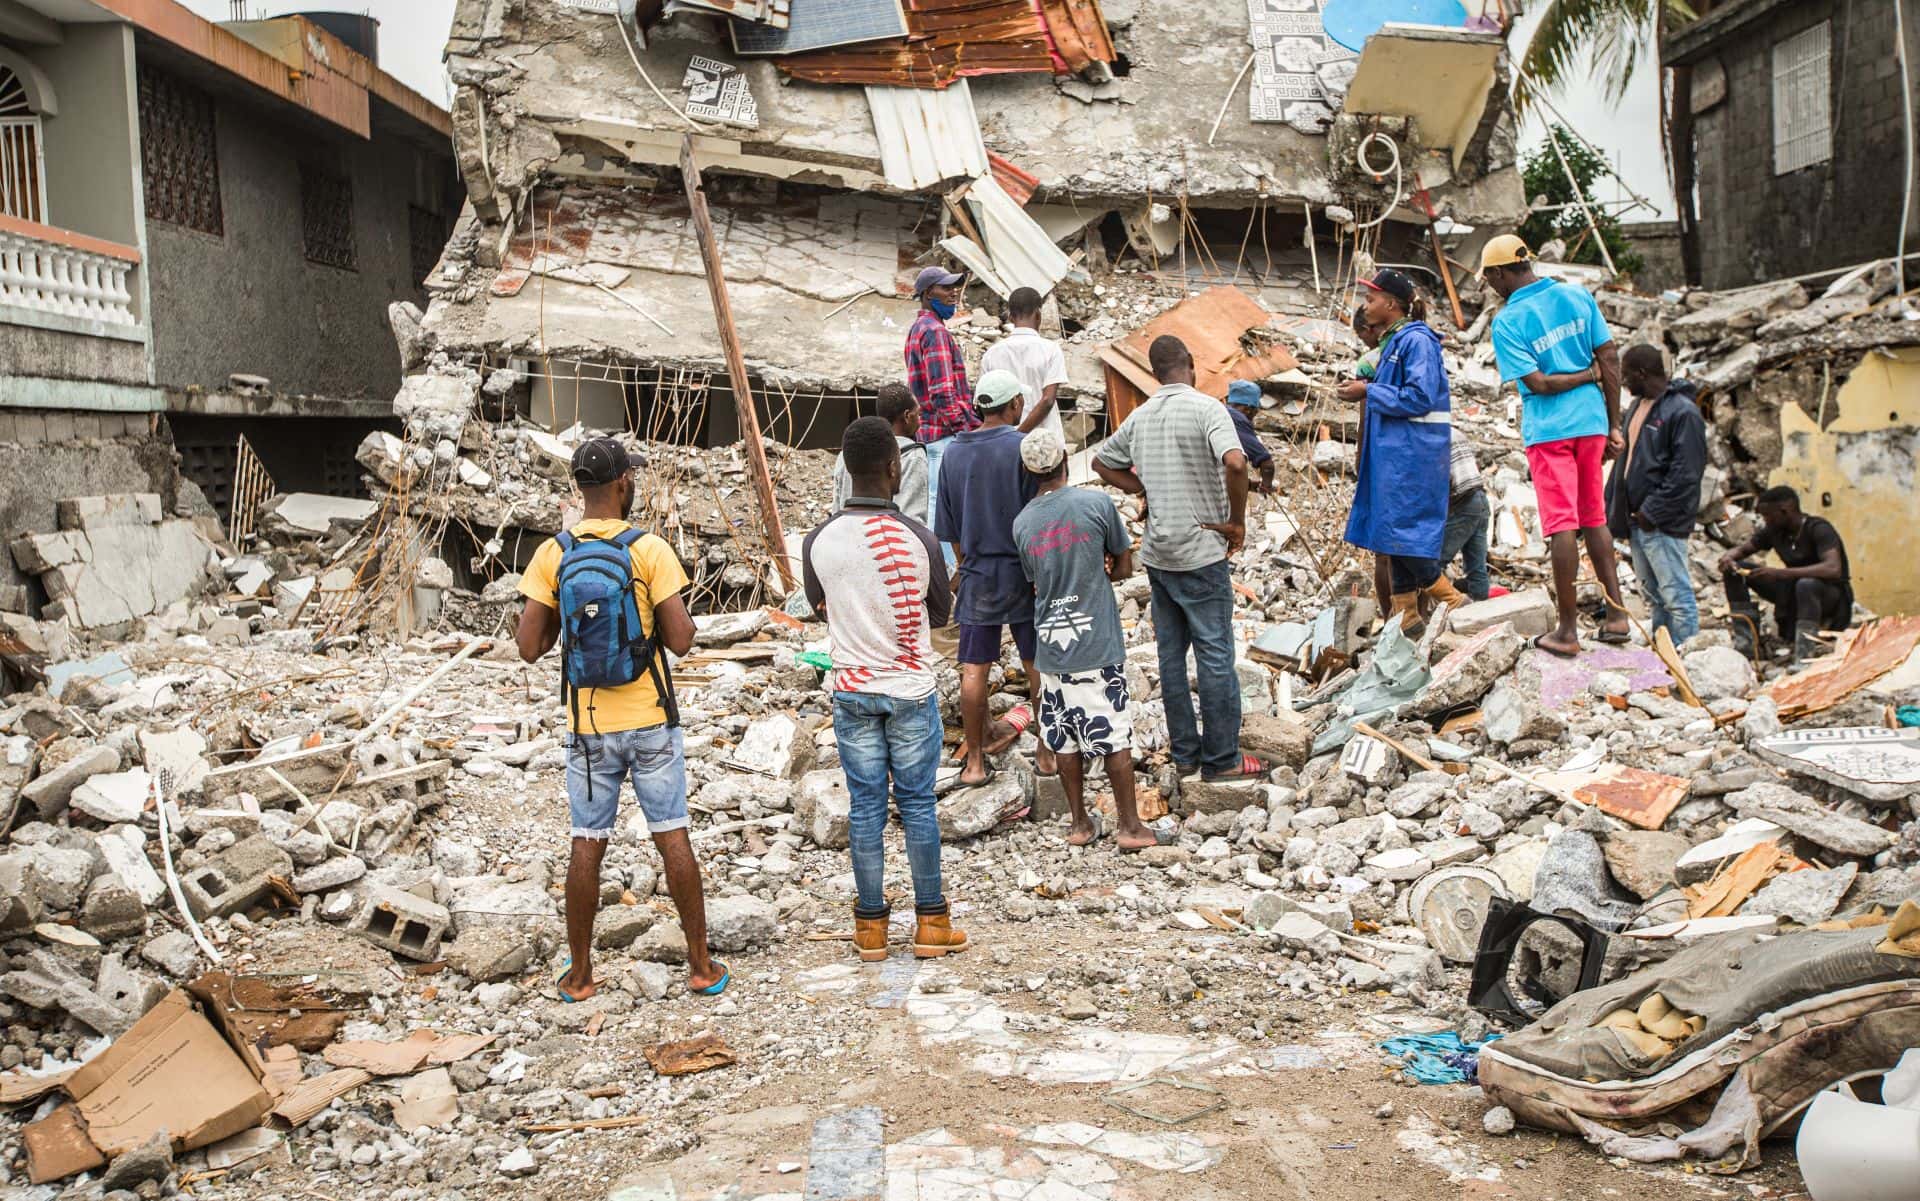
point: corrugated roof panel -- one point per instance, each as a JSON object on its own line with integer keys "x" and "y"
{"x": 927, "y": 137}
{"x": 1023, "y": 255}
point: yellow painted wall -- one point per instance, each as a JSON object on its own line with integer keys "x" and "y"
{"x": 1863, "y": 474}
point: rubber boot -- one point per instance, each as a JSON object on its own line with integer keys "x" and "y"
{"x": 1442, "y": 592}
{"x": 1806, "y": 641}
{"x": 934, "y": 935}
{"x": 1407, "y": 605}
{"x": 870, "y": 937}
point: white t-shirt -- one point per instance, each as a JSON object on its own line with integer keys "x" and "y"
{"x": 1037, "y": 361}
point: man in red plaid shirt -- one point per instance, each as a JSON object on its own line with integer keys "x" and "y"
{"x": 937, "y": 373}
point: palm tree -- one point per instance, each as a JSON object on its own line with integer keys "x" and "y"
{"x": 1607, "y": 37}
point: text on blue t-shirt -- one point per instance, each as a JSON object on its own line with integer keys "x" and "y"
{"x": 1554, "y": 328}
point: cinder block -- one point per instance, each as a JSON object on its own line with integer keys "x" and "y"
{"x": 236, "y": 878}
{"x": 59, "y": 426}
{"x": 403, "y": 923}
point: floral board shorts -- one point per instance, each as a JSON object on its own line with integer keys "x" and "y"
{"x": 1086, "y": 712}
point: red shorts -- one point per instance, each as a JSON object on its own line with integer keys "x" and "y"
{"x": 1569, "y": 483}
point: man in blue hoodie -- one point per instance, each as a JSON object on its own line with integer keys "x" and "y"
{"x": 1653, "y": 494}
{"x": 1406, "y": 415}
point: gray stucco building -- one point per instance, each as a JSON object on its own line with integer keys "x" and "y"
{"x": 1798, "y": 135}
{"x": 201, "y": 228}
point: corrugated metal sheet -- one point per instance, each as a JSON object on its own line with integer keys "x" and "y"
{"x": 1023, "y": 255}
{"x": 927, "y": 138}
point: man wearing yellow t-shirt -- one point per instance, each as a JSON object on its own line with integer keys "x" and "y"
{"x": 621, "y": 732}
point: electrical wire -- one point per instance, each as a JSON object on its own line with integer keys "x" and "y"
{"x": 1906, "y": 99}
{"x": 1360, "y": 158}
{"x": 648, "y": 79}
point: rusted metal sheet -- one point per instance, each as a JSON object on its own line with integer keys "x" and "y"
{"x": 1641, "y": 798}
{"x": 1013, "y": 181}
{"x": 1216, "y": 326}
{"x": 1079, "y": 31}
{"x": 1873, "y": 651}
{"x": 946, "y": 39}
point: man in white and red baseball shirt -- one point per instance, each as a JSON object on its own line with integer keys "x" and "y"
{"x": 877, "y": 576}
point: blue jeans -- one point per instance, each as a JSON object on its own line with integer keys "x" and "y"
{"x": 1467, "y": 521}
{"x": 1660, "y": 560}
{"x": 882, "y": 737}
{"x": 1195, "y": 609}
{"x": 936, "y": 451}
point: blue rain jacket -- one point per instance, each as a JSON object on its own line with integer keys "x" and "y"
{"x": 1400, "y": 503}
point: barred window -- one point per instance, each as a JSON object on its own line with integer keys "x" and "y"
{"x": 426, "y": 238}
{"x": 179, "y": 155}
{"x": 326, "y": 216}
{"x": 1803, "y": 100}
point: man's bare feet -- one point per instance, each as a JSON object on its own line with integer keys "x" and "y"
{"x": 705, "y": 979}
{"x": 1562, "y": 642}
{"x": 1135, "y": 838}
{"x": 577, "y": 985}
{"x": 1001, "y": 737}
{"x": 1084, "y": 832}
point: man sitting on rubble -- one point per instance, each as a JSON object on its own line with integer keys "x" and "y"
{"x": 1812, "y": 592}
{"x": 1653, "y": 493}
{"x": 875, "y": 574}
{"x": 899, "y": 410}
{"x": 1243, "y": 401}
{"x": 1180, "y": 451}
{"x": 1035, "y": 358}
{"x": 1074, "y": 546}
{"x": 937, "y": 373}
{"x": 1400, "y": 497}
{"x": 1551, "y": 340}
{"x": 629, "y": 731}
{"x": 982, "y": 489}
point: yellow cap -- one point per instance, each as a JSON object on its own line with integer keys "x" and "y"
{"x": 1503, "y": 251}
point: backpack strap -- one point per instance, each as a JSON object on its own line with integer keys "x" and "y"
{"x": 650, "y": 645}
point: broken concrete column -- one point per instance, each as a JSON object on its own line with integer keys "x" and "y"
{"x": 820, "y": 808}
{"x": 49, "y": 793}
{"x": 1515, "y": 712}
{"x": 1277, "y": 740}
{"x": 1531, "y": 613}
{"x": 238, "y": 877}
{"x": 409, "y": 926}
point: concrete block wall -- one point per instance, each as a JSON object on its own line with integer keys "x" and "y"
{"x": 1756, "y": 225}
{"x": 47, "y": 455}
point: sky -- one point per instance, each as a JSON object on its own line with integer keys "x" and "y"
{"x": 413, "y": 32}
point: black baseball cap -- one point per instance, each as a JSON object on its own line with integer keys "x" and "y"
{"x": 1393, "y": 284}
{"x": 600, "y": 462}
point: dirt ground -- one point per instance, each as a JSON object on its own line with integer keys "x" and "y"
{"x": 973, "y": 1109}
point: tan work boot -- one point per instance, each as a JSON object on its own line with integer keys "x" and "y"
{"x": 1412, "y": 622}
{"x": 870, "y": 937}
{"x": 1442, "y": 592}
{"x": 934, "y": 936}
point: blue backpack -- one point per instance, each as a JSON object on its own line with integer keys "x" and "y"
{"x": 602, "y": 641}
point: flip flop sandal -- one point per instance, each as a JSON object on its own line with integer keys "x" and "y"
{"x": 1099, "y": 829}
{"x": 985, "y": 780}
{"x": 718, "y": 986}
{"x": 1613, "y": 637}
{"x": 561, "y": 989}
{"x": 1554, "y": 651}
{"x": 1250, "y": 769}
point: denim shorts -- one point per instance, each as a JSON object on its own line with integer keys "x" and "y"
{"x": 653, "y": 758}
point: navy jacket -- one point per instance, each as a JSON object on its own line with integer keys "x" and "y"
{"x": 1662, "y": 481}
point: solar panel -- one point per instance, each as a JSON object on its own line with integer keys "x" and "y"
{"x": 819, "y": 24}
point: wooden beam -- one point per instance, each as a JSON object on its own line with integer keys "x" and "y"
{"x": 736, "y": 363}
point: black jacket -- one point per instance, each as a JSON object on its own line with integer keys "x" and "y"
{"x": 1663, "y": 480}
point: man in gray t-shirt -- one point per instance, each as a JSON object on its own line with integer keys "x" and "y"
{"x": 1180, "y": 449}
{"x": 1072, "y": 545}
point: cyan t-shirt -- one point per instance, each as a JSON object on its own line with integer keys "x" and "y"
{"x": 1552, "y": 327}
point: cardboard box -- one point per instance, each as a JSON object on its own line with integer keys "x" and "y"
{"x": 171, "y": 1071}
{"x": 57, "y": 1147}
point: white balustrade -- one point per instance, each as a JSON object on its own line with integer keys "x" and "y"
{"x": 47, "y": 277}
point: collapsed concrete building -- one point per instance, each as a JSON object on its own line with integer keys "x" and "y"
{"x": 574, "y": 262}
